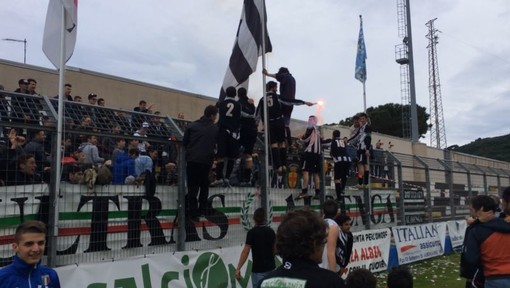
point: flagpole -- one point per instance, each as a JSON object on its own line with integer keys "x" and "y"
{"x": 364, "y": 98}
{"x": 54, "y": 195}
{"x": 266, "y": 203}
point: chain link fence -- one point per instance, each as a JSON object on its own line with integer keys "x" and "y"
{"x": 92, "y": 218}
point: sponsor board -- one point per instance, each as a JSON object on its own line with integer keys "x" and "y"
{"x": 190, "y": 269}
{"x": 370, "y": 250}
{"x": 457, "y": 230}
{"x": 418, "y": 242}
{"x": 120, "y": 221}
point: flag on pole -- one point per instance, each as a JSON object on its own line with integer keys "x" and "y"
{"x": 53, "y": 30}
{"x": 247, "y": 46}
{"x": 361, "y": 56}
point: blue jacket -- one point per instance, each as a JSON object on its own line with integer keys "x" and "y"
{"x": 20, "y": 274}
{"x": 122, "y": 167}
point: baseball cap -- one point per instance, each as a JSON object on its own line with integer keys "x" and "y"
{"x": 22, "y": 81}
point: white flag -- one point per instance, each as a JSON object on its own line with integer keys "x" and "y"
{"x": 53, "y": 30}
{"x": 247, "y": 47}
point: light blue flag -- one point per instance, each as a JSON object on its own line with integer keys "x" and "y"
{"x": 361, "y": 56}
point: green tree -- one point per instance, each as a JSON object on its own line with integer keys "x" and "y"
{"x": 387, "y": 119}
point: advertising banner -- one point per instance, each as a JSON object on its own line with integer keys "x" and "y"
{"x": 370, "y": 250}
{"x": 456, "y": 230}
{"x": 212, "y": 268}
{"x": 417, "y": 242}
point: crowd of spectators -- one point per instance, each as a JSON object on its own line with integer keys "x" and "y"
{"x": 128, "y": 143}
{"x": 94, "y": 136}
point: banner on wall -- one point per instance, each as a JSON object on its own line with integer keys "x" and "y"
{"x": 418, "y": 242}
{"x": 456, "y": 230}
{"x": 370, "y": 250}
{"x": 211, "y": 268}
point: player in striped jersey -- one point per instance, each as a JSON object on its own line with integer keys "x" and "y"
{"x": 228, "y": 135}
{"x": 342, "y": 162}
{"x": 276, "y": 123}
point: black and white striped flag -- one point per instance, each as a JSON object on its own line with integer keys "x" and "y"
{"x": 247, "y": 47}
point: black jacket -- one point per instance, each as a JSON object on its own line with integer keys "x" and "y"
{"x": 200, "y": 141}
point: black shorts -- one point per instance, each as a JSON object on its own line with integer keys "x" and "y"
{"x": 276, "y": 131}
{"x": 362, "y": 157}
{"x": 311, "y": 162}
{"x": 248, "y": 138}
{"x": 228, "y": 146}
{"x": 341, "y": 169}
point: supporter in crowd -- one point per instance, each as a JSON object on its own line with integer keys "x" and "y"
{"x": 399, "y": 277}
{"x": 153, "y": 154}
{"x": 168, "y": 153}
{"x": 345, "y": 241}
{"x": 156, "y": 127}
{"x": 101, "y": 102}
{"x": 90, "y": 151}
{"x": 108, "y": 144}
{"x": 10, "y": 155}
{"x": 24, "y": 109}
{"x": 87, "y": 123}
{"x": 142, "y": 162}
{"x": 36, "y": 147}
{"x": 92, "y": 99}
{"x": 362, "y": 139}
{"x": 120, "y": 147}
{"x": 123, "y": 163}
{"x": 229, "y": 111}
{"x": 32, "y": 85}
{"x": 505, "y": 203}
{"x": 77, "y": 98}
{"x": 138, "y": 119}
{"x": 142, "y": 132}
{"x": 329, "y": 211}
{"x": 25, "y": 172}
{"x": 73, "y": 173}
{"x": 26, "y": 269}
{"x": 260, "y": 240}
{"x": 486, "y": 246}
{"x": 4, "y": 111}
{"x": 142, "y": 107}
{"x": 248, "y": 134}
{"x": 361, "y": 278}
{"x": 199, "y": 142}
{"x": 90, "y": 111}
{"x": 300, "y": 241}
{"x": 287, "y": 93}
{"x": 68, "y": 88}
{"x": 181, "y": 123}
{"x": 23, "y": 86}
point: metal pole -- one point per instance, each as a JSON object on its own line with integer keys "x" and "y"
{"x": 55, "y": 193}
{"x": 414, "y": 109}
{"x": 364, "y": 98}
{"x": 25, "y": 51}
{"x": 266, "y": 186}
{"x": 24, "y": 41}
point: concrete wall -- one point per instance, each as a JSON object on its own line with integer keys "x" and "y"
{"x": 126, "y": 93}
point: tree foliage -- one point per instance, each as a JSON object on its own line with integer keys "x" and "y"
{"x": 494, "y": 147}
{"x": 387, "y": 119}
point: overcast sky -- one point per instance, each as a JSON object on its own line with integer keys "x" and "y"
{"x": 186, "y": 45}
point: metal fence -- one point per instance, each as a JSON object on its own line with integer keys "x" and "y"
{"x": 91, "y": 221}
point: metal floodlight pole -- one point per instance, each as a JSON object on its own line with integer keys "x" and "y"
{"x": 24, "y": 41}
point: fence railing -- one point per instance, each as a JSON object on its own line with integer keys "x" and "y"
{"x": 107, "y": 221}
